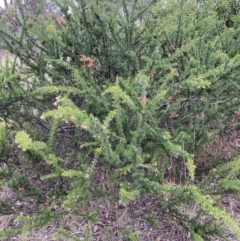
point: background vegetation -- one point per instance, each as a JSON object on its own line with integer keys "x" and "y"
{"x": 116, "y": 100}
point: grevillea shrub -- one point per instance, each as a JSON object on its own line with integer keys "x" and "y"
{"x": 140, "y": 82}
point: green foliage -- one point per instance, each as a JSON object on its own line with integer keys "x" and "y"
{"x": 196, "y": 237}
{"x": 4, "y": 141}
{"x": 208, "y": 206}
{"x": 127, "y": 195}
{"x": 23, "y": 140}
{"x": 18, "y": 181}
{"x": 120, "y": 96}
{"x": 230, "y": 184}
{"x": 6, "y": 233}
{"x": 35, "y": 221}
{"x": 62, "y": 233}
{"x": 229, "y": 173}
{"x": 4, "y": 207}
{"x": 5, "y": 174}
{"x": 231, "y": 169}
{"x": 138, "y": 82}
{"x": 133, "y": 237}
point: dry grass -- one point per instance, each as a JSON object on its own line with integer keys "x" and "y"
{"x": 113, "y": 223}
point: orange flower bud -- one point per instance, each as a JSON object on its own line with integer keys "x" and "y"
{"x": 61, "y": 21}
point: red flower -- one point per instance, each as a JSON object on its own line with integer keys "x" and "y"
{"x": 61, "y": 21}
{"x": 46, "y": 203}
{"x": 89, "y": 61}
{"x": 20, "y": 189}
{"x": 143, "y": 99}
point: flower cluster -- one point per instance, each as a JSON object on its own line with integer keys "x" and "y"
{"x": 61, "y": 21}
{"x": 143, "y": 99}
{"x": 89, "y": 61}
